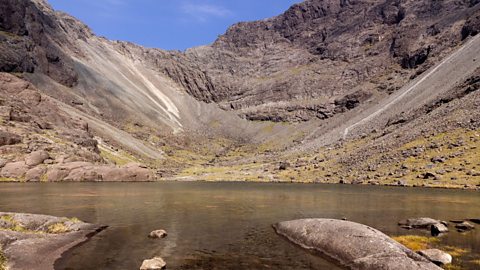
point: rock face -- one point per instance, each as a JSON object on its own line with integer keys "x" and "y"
{"x": 156, "y": 263}
{"x": 436, "y": 256}
{"x": 323, "y": 57}
{"x": 352, "y": 245}
{"x": 419, "y": 223}
{"x": 24, "y": 236}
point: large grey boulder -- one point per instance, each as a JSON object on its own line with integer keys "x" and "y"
{"x": 353, "y": 245}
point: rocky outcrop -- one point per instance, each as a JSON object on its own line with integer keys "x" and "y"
{"x": 29, "y": 40}
{"x": 24, "y": 236}
{"x": 352, "y": 245}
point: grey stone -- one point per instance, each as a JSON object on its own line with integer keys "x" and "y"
{"x": 156, "y": 263}
{"x": 436, "y": 256}
{"x": 438, "y": 228}
{"x": 158, "y": 234}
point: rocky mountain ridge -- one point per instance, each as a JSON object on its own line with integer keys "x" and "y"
{"x": 335, "y": 74}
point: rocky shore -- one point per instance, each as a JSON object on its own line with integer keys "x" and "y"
{"x": 29, "y": 241}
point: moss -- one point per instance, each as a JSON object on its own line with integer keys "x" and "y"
{"x": 415, "y": 242}
{"x": 58, "y": 228}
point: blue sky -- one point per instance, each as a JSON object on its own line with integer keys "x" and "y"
{"x": 168, "y": 24}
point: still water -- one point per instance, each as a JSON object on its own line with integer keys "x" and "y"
{"x": 228, "y": 225}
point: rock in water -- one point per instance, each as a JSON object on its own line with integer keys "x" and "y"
{"x": 436, "y": 256}
{"x": 158, "y": 234}
{"x": 352, "y": 245}
{"x": 156, "y": 263}
{"x": 464, "y": 226}
{"x": 419, "y": 223}
{"x": 438, "y": 228}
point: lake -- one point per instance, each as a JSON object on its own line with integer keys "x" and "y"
{"x": 228, "y": 225}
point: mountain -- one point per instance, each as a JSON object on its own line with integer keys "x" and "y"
{"x": 332, "y": 90}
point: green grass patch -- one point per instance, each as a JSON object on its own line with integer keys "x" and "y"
{"x": 416, "y": 242}
{"x": 3, "y": 261}
{"x": 58, "y": 228}
{"x": 16, "y": 226}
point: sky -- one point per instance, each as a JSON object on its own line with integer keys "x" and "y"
{"x": 168, "y": 24}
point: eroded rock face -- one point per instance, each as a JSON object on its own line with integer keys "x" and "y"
{"x": 352, "y": 245}
{"x": 294, "y": 67}
{"x": 28, "y": 39}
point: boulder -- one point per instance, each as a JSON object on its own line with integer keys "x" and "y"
{"x": 36, "y": 158}
{"x": 156, "y": 263}
{"x": 352, "y": 245}
{"x": 436, "y": 256}
{"x": 14, "y": 169}
{"x": 158, "y": 234}
{"x": 419, "y": 223}
{"x": 35, "y": 174}
{"x": 7, "y": 138}
{"x": 439, "y": 228}
{"x": 464, "y": 226}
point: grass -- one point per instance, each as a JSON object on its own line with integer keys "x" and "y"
{"x": 58, "y": 228}
{"x": 119, "y": 158}
{"x": 17, "y": 227}
{"x": 8, "y": 179}
{"x": 74, "y": 220}
{"x": 3, "y": 261}
{"x": 416, "y": 242}
{"x": 455, "y": 251}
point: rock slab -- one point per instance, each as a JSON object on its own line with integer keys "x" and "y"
{"x": 29, "y": 242}
{"x": 352, "y": 245}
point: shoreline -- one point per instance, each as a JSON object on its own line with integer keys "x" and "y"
{"x": 173, "y": 180}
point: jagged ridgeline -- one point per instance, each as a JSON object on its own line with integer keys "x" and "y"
{"x": 385, "y": 75}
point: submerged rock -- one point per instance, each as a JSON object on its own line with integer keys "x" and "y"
{"x": 465, "y": 226}
{"x": 158, "y": 234}
{"x": 436, "y": 256}
{"x": 352, "y": 245}
{"x": 156, "y": 263}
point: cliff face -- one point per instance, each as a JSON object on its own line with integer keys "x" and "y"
{"x": 322, "y": 57}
